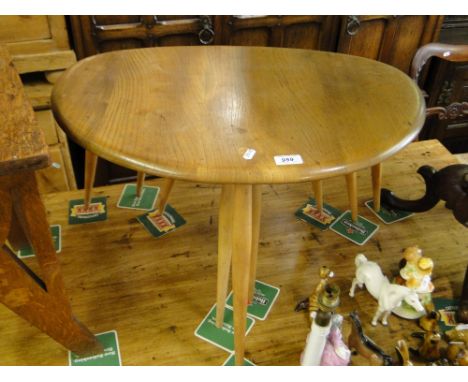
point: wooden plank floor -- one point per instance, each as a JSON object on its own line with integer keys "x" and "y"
{"x": 155, "y": 292}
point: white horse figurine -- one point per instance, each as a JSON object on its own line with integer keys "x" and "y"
{"x": 389, "y": 296}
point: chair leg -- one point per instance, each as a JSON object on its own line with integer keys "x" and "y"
{"x": 376, "y": 172}
{"x": 224, "y": 250}
{"x": 164, "y": 194}
{"x": 256, "y": 217}
{"x": 140, "y": 182}
{"x": 90, "y": 173}
{"x": 43, "y": 303}
{"x": 351, "y": 181}
{"x": 318, "y": 194}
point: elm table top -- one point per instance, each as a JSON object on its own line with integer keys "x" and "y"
{"x": 191, "y": 112}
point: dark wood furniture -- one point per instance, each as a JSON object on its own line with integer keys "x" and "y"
{"x": 390, "y": 39}
{"x": 40, "y": 301}
{"x": 447, "y": 82}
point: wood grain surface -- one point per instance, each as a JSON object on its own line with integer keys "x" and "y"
{"x": 22, "y": 142}
{"x": 191, "y": 112}
{"x": 156, "y": 292}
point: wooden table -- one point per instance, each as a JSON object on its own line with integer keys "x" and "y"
{"x": 191, "y": 113}
{"x": 155, "y": 293}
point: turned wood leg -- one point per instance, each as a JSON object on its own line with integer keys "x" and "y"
{"x": 90, "y": 173}
{"x": 164, "y": 194}
{"x": 256, "y": 217}
{"x": 376, "y": 172}
{"x": 140, "y": 181}
{"x": 318, "y": 194}
{"x": 42, "y": 302}
{"x": 241, "y": 247}
{"x": 351, "y": 182}
{"x": 224, "y": 250}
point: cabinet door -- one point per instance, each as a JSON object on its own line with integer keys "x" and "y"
{"x": 390, "y": 39}
{"x": 95, "y": 34}
{"x": 306, "y": 32}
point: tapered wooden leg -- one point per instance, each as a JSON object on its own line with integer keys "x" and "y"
{"x": 164, "y": 194}
{"x": 224, "y": 250}
{"x": 318, "y": 194}
{"x": 351, "y": 182}
{"x": 90, "y": 173}
{"x": 140, "y": 181}
{"x": 241, "y": 247}
{"x": 256, "y": 217}
{"x": 42, "y": 302}
{"x": 376, "y": 185}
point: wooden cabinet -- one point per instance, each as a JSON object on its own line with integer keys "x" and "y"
{"x": 40, "y": 51}
{"x": 305, "y": 32}
{"x": 391, "y": 39}
{"x": 96, "y": 34}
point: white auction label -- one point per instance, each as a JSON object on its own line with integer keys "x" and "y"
{"x": 283, "y": 160}
{"x": 249, "y": 154}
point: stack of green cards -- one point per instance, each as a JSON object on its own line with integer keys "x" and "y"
{"x": 222, "y": 337}
{"x": 110, "y": 357}
{"x": 264, "y": 297}
{"x": 96, "y": 211}
{"x": 310, "y": 214}
{"x": 387, "y": 214}
{"x": 159, "y": 225}
{"x": 359, "y": 232}
{"x": 56, "y": 232}
{"x": 146, "y": 201}
{"x": 230, "y": 361}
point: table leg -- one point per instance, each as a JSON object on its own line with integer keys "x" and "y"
{"x": 318, "y": 194}
{"x": 376, "y": 172}
{"x": 140, "y": 181}
{"x": 241, "y": 247}
{"x": 42, "y": 302}
{"x": 90, "y": 173}
{"x": 164, "y": 194}
{"x": 256, "y": 217}
{"x": 351, "y": 182}
{"x": 224, "y": 250}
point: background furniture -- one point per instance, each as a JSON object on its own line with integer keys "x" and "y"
{"x": 40, "y": 51}
{"x": 390, "y": 39}
{"x": 447, "y": 82}
{"x": 180, "y": 125}
{"x": 40, "y": 301}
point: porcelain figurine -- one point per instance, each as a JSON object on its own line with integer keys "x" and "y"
{"x": 430, "y": 349}
{"x": 310, "y": 303}
{"x": 335, "y": 353}
{"x": 416, "y": 270}
{"x": 389, "y": 296}
{"x": 364, "y": 346}
{"x": 403, "y": 353}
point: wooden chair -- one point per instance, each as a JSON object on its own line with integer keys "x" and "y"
{"x": 23, "y": 219}
{"x": 454, "y": 53}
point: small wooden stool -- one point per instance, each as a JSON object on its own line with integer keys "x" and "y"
{"x": 42, "y": 302}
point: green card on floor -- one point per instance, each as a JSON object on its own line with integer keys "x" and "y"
{"x": 230, "y": 361}
{"x": 56, "y": 232}
{"x": 110, "y": 356}
{"x": 264, "y": 297}
{"x": 387, "y": 214}
{"x": 222, "y": 337}
{"x": 146, "y": 201}
{"x": 310, "y": 214}
{"x": 159, "y": 225}
{"x": 447, "y": 309}
{"x": 79, "y": 214}
{"x": 359, "y": 232}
